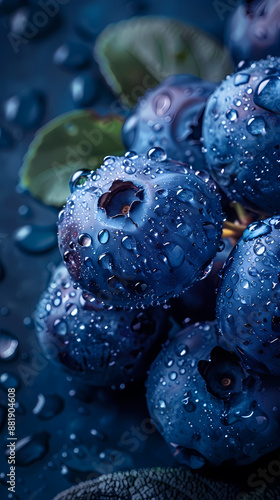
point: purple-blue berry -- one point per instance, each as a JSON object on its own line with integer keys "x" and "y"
{"x": 170, "y": 116}
{"x": 140, "y": 229}
{"x": 241, "y": 130}
{"x": 101, "y": 346}
{"x": 248, "y": 302}
{"x": 207, "y": 406}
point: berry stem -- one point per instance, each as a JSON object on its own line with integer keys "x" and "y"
{"x": 243, "y": 216}
{"x": 233, "y": 231}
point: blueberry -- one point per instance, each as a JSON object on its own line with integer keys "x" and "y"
{"x": 207, "y": 406}
{"x": 253, "y": 30}
{"x": 248, "y": 302}
{"x": 140, "y": 229}
{"x": 170, "y": 116}
{"x": 241, "y": 129}
{"x": 99, "y": 345}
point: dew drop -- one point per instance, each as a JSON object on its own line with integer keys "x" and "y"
{"x": 26, "y": 109}
{"x": 85, "y": 240}
{"x": 232, "y": 115}
{"x": 241, "y": 79}
{"x": 9, "y": 380}
{"x": 88, "y": 262}
{"x": 103, "y": 236}
{"x": 47, "y": 407}
{"x": 175, "y": 254}
{"x": 259, "y": 248}
{"x": 72, "y": 55}
{"x": 60, "y": 327}
{"x": 184, "y": 195}
{"x": 210, "y": 230}
{"x": 36, "y": 239}
{"x": 256, "y": 126}
{"x": 157, "y": 154}
{"x": 181, "y": 350}
{"x": 162, "y": 104}
{"x": 266, "y": 92}
{"x": 106, "y": 261}
{"x": 140, "y": 287}
{"x": 129, "y": 243}
{"x": 32, "y": 448}
{"x": 77, "y": 180}
{"x": 8, "y": 346}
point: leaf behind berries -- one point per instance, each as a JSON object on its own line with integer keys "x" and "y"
{"x": 73, "y": 141}
{"x": 138, "y": 53}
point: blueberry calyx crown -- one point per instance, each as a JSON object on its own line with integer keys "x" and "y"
{"x": 223, "y": 374}
{"x": 121, "y": 199}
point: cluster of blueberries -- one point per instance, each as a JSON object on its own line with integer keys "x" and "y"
{"x": 145, "y": 227}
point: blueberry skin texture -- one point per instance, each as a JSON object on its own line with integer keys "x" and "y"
{"x": 248, "y": 301}
{"x": 208, "y": 408}
{"x": 241, "y": 129}
{"x": 170, "y": 116}
{"x": 253, "y": 30}
{"x": 99, "y": 345}
{"x": 138, "y": 231}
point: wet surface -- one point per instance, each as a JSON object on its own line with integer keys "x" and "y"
{"x": 65, "y": 431}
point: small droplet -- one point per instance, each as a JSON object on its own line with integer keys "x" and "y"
{"x": 172, "y": 375}
{"x": 77, "y": 180}
{"x": 88, "y": 262}
{"x": 256, "y": 126}
{"x": 26, "y": 109}
{"x": 129, "y": 169}
{"x": 103, "y": 236}
{"x": 157, "y": 154}
{"x": 105, "y": 261}
{"x": 48, "y": 406}
{"x": 129, "y": 243}
{"x": 181, "y": 350}
{"x": 8, "y": 346}
{"x": 162, "y": 104}
{"x": 31, "y": 448}
{"x": 83, "y": 90}
{"x": 85, "y": 240}
{"x": 241, "y": 79}
{"x": 232, "y": 115}
{"x": 9, "y": 380}
{"x": 60, "y": 327}
{"x": 36, "y": 239}
{"x": 161, "y": 193}
{"x": 140, "y": 287}
{"x": 266, "y": 95}
{"x": 259, "y": 248}
{"x": 210, "y": 230}
{"x": 175, "y": 254}
{"x": 184, "y": 195}
{"x": 72, "y": 55}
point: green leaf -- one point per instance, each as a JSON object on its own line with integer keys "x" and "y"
{"x": 138, "y": 53}
{"x": 73, "y": 141}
